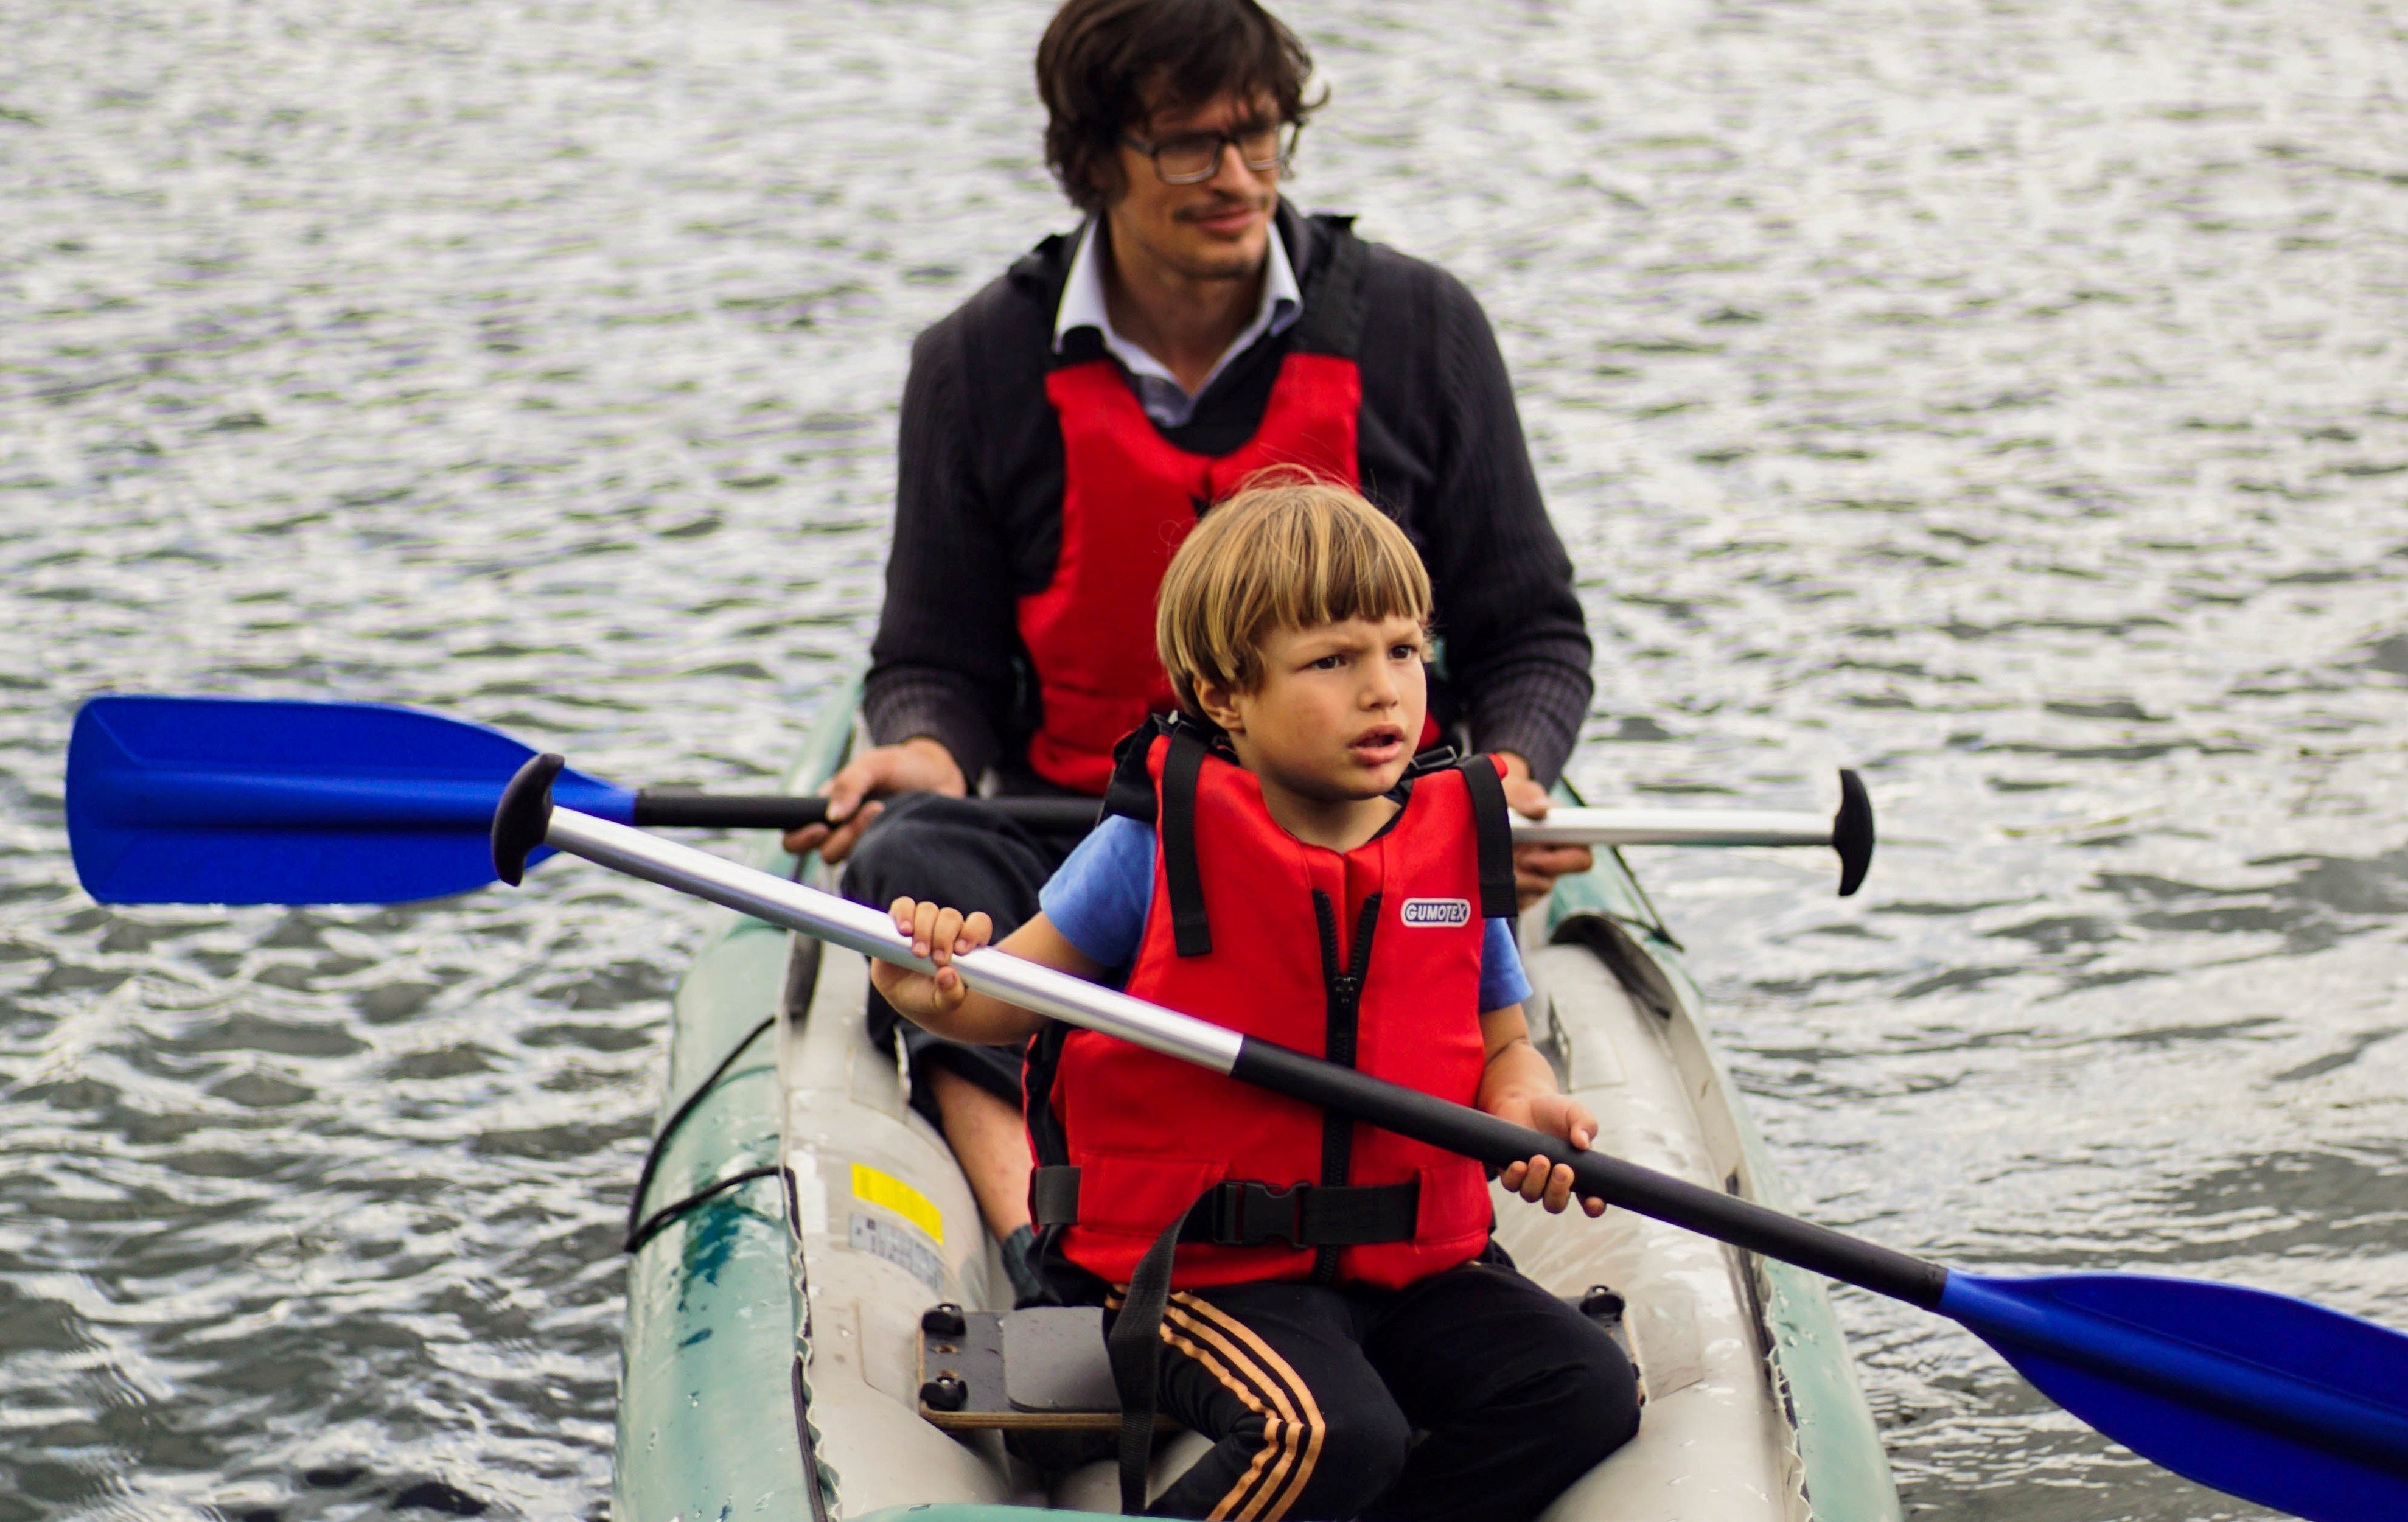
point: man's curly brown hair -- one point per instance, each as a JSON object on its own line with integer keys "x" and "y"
{"x": 1105, "y": 66}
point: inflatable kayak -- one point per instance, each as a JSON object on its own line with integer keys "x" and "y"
{"x": 818, "y": 1324}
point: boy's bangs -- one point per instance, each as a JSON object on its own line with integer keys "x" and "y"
{"x": 1284, "y": 554}
{"x": 1347, "y": 572}
{"x": 1326, "y": 567}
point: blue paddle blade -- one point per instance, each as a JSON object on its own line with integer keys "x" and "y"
{"x": 2270, "y": 1399}
{"x": 232, "y": 800}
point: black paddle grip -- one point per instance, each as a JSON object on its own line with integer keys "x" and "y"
{"x": 720, "y": 811}
{"x": 1852, "y": 832}
{"x": 1472, "y": 1133}
{"x": 774, "y": 810}
{"x": 523, "y": 816}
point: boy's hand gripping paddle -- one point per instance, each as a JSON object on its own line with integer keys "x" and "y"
{"x": 233, "y": 800}
{"x": 2273, "y": 1400}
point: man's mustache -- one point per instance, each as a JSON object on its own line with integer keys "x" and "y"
{"x": 1223, "y": 206}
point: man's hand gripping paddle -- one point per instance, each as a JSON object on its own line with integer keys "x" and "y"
{"x": 2271, "y": 1399}
{"x": 230, "y": 800}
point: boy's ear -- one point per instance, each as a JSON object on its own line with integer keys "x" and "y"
{"x": 1219, "y": 703}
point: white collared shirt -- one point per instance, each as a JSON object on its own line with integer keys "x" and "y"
{"x": 1164, "y": 400}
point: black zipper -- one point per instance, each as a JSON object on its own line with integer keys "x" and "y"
{"x": 1343, "y": 985}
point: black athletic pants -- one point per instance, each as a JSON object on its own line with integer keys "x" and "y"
{"x": 961, "y": 854}
{"x": 1473, "y": 1394}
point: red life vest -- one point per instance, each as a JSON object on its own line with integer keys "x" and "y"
{"x": 1129, "y": 498}
{"x": 1286, "y": 952}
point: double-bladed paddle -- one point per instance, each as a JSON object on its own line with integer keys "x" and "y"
{"x": 236, "y": 800}
{"x": 2271, "y": 1399}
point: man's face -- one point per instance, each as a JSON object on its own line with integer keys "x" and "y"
{"x": 1218, "y": 229}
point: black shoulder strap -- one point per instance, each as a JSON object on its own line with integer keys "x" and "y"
{"x": 1039, "y": 276}
{"x": 1048, "y": 1139}
{"x": 1038, "y": 1063}
{"x": 1130, "y": 793}
{"x": 1494, "y": 828}
{"x": 1332, "y": 321}
{"x": 1180, "y": 770}
{"x": 1079, "y": 346}
{"x": 1048, "y": 263}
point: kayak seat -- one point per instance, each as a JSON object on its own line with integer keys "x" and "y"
{"x": 1045, "y": 1369}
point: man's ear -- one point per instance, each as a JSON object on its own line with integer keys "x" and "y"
{"x": 1220, "y": 705}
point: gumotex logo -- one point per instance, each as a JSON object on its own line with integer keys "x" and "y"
{"x": 1443, "y": 911}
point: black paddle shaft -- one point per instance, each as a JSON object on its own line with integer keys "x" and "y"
{"x": 1457, "y": 1129}
{"x": 773, "y": 810}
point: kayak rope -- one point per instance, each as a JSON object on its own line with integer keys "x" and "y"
{"x": 642, "y": 1228}
{"x": 659, "y": 1220}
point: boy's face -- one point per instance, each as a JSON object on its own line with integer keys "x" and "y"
{"x": 1338, "y": 712}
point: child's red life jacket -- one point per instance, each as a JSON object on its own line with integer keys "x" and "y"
{"x": 1368, "y": 957}
{"x": 1129, "y": 498}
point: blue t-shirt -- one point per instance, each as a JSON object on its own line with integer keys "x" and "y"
{"x": 1100, "y": 897}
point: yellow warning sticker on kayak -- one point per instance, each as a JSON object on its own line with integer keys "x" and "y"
{"x": 885, "y": 1189}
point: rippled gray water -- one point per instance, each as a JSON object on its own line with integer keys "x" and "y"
{"x": 2007, "y": 398}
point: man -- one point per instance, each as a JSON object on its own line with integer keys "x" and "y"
{"x": 1065, "y": 426}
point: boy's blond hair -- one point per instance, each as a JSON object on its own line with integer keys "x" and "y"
{"x": 1289, "y": 552}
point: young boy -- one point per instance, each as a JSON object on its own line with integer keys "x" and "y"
{"x": 1275, "y": 861}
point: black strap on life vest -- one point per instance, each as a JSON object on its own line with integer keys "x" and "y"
{"x": 1248, "y": 1212}
{"x": 1130, "y": 793}
{"x": 1494, "y": 828}
{"x": 1134, "y": 1348}
{"x": 1047, "y": 1137}
{"x": 1191, "y": 931}
{"x": 1332, "y": 320}
{"x": 1342, "y": 1009}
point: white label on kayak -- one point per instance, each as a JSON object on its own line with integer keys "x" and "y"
{"x": 811, "y": 1194}
{"x": 898, "y": 1246}
{"x": 1438, "y": 911}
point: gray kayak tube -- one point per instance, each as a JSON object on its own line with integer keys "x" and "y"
{"x": 773, "y": 1328}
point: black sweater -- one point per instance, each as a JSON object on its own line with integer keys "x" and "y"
{"x": 978, "y": 507}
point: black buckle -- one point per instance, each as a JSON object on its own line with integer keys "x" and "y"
{"x": 1249, "y": 1213}
{"x": 1437, "y": 758}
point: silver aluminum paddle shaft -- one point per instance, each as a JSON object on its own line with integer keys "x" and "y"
{"x": 871, "y": 932}
{"x": 1568, "y": 826}
{"x": 1850, "y": 831}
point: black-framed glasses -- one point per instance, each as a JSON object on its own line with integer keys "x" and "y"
{"x": 1191, "y": 158}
